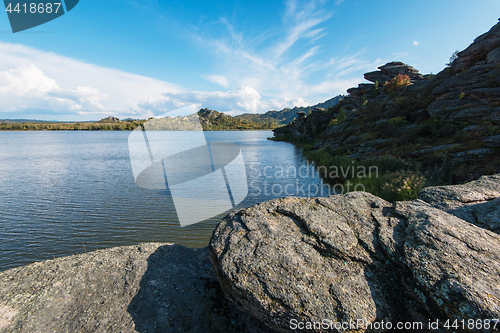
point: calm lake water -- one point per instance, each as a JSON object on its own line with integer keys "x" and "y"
{"x": 65, "y": 192}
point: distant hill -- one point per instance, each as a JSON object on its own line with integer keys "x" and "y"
{"x": 287, "y": 115}
{"x": 211, "y": 120}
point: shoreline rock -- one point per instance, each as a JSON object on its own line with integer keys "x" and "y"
{"x": 355, "y": 256}
{"x": 150, "y": 287}
{"x": 344, "y": 257}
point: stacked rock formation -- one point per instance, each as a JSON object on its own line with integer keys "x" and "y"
{"x": 390, "y": 70}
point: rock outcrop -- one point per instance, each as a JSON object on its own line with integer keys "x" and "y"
{"x": 110, "y": 119}
{"x": 392, "y": 69}
{"x": 471, "y": 94}
{"x": 484, "y": 48}
{"x": 286, "y": 262}
{"x": 473, "y": 91}
{"x": 356, "y": 257}
{"x": 446, "y": 123}
{"x": 142, "y": 288}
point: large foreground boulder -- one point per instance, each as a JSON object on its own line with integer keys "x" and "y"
{"x": 311, "y": 259}
{"x": 356, "y": 258}
{"x": 142, "y": 288}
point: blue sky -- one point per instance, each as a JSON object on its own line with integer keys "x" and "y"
{"x": 138, "y": 58}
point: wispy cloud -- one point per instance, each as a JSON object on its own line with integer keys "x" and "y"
{"x": 300, "y": 21}
{"x": 292, "y": 68}
{"x": 219, "y": 79}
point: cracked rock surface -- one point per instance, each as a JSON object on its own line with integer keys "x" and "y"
{"x": 355, "y": 256}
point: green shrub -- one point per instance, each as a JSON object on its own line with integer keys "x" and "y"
{"x": 388, "y": 177}
{"x": 401, "y": 185}
{"x": 453, "y": 57}
{"x": 341, "y": 115}
{"x": 397, "y": 121}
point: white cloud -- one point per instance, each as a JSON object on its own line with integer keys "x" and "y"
{"x": 244, "y": 99}
{"x": 34, "y": 81}
{"x": 287, "y": 71}
{"x": 415, "y": 43}
{"x": 56, "y": 87}
{"x": 27, "y": 87}
{"x": 26, "y": 80}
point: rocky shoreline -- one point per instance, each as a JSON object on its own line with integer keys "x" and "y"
{"x": 343, "y": 258}
{"x": 445, "y": 125}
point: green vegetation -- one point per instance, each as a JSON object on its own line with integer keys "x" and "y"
{"x": 397, "y": 121}
{"x": 341, "y": 115}
{"x": 81, "y": 126}
{"x": 453, "y": 57}
{"x": 393, "y": 179}
{"x": 216, "y": 121}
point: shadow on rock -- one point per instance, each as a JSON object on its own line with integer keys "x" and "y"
{"x": 180, "y": 293}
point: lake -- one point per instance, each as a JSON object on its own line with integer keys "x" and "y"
{"x": 68, "y": 192}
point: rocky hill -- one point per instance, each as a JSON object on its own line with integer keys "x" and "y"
{"x": 286, "y": 116}
{"x": 216, "y": 121}
{"x": 212, "y": 120}
{"x": 433, "y": 129}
